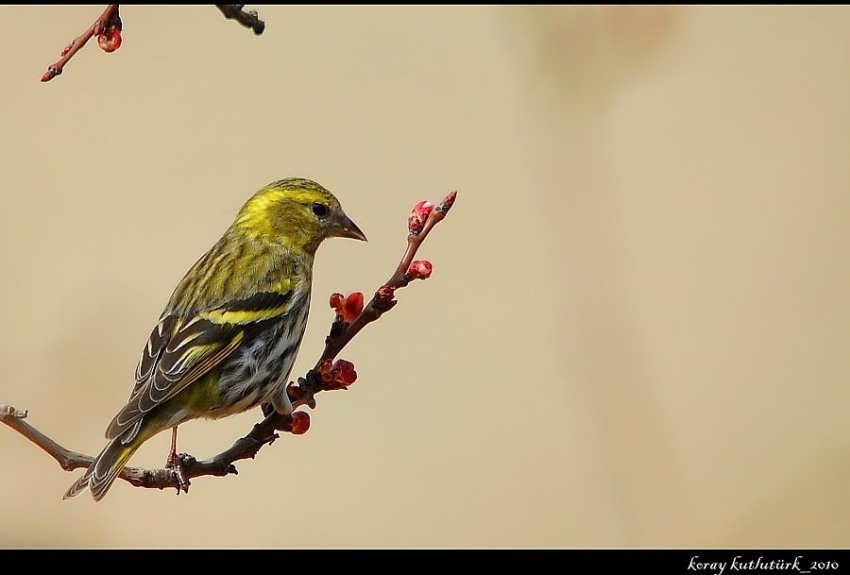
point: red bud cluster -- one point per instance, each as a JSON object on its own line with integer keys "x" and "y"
{"x": 347, "y": 307}
{"x": 337, "y": 375}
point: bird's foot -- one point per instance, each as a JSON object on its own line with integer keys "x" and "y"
{"x": 176, "y": 463}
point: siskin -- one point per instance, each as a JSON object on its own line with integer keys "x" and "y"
{"x": 228, "y": 336}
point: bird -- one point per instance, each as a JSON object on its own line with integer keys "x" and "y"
{"x": 228, "y": 336}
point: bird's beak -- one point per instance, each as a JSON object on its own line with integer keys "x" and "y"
{"x": 345, "y": 228}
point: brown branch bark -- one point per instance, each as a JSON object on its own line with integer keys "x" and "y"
{"x": 301, "y": 393}
{"x": 248, "y": 19}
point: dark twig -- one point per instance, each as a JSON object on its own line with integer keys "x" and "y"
{"x": 422, "y": 221}
{"x": 248, "y": 19}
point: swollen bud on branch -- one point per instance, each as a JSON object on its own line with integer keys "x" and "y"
{"x": 384, "y": 299}
{"x": 110, "y": 40}
{"x": 109, "y": 34}
{"x": 300, "y": 423}
{"x": 419, "y": 270}
{"x": 447, "y": 203}
{"x": 419, "y": 216}
{"x": 347, "y": 307}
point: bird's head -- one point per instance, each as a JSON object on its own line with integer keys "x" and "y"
{"x": 297, "y": 213}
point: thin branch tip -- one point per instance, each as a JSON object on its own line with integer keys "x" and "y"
{"x": 447, "y": 203}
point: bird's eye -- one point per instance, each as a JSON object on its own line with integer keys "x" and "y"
{"x": 321, "y": 210}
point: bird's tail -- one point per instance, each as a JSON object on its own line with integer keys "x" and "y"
{"x": 102, "y": 472}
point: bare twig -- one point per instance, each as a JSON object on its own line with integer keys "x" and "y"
{"x": 67, "y": 459}
{"x": 301, "y": 393}
{"x": 248, "y": 19}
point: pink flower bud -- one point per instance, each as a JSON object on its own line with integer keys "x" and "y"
{"x": 419, "y": 270}
{"x": 110, "y": 40}
{"x": 300, "y": 422}
{"x": 348, "y": 307}
{"x": 419, "y": 216}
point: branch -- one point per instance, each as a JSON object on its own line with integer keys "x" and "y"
{"x": 108, "y": 28}
{"x": 326, "y": 375}
{"x": 67, "y": 459}
{"x": 248, "y": 19}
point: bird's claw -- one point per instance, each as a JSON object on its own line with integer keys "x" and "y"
{"x": 176, "y": 463}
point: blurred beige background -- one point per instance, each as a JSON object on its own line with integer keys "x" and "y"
{"x": 636, "y": 333}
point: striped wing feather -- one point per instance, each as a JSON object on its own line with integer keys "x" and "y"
{"x": 181, "y": 351}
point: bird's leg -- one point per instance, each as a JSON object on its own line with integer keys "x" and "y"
{"x": 175, "y": 464}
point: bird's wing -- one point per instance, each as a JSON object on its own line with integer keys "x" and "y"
{"x": 182, "y": 350}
